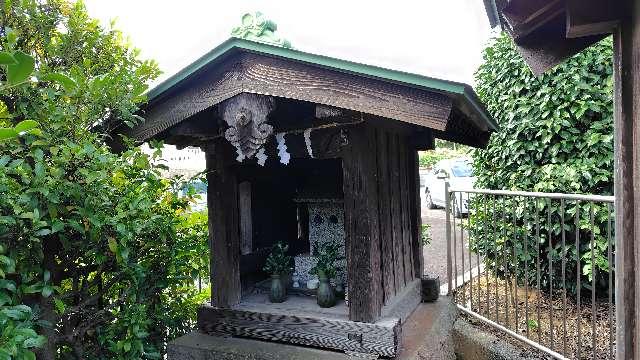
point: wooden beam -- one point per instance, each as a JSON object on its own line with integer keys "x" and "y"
{"x": 406, "y": 209}
{"x": 258, "y": 74}
{"x": 549, "y": 46}
{"x": 416, "y": 214}
{"x": 224, "y": 242}
{"x": 404, "y": 303}
{"x": 527, "y": 16}
{"x": 384, "y": 220}
{"x": 591, "y": 17}
{"x": 396, "y": 217}
{"x": 627, "y": 183}
{"x": 361, "y": 225}
{"x": 423, "y": 140}
{"x": 380, "y": 339}
{"x": 246, "y": 228}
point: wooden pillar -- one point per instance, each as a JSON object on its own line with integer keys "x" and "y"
{"x": 416, "y": 213}
{"x": 361, "y": 225}
{"x": 224, "y": 240}
{"x": 627, "y": 182}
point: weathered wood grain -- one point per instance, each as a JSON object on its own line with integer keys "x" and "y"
{"x": 406, "y": 209}
{"x": 254, "y": 73}
{"x": 246, "y": 228}
{"x": 404, "y": 303}
{"x": 416, "y": 213}
{"x": 380, "y": 338}
{"x": 384, "y": 210}
{"x": 224, "y": 241}
{"x": 591, "y": 17}
{"x": 396, "y": 212}
{"x": 361, "y": 226}
{"x": 626, "y": 184}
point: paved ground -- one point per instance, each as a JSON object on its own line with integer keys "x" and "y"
{"x": 435, "y": 254}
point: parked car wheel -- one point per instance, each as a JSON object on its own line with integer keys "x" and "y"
{"x": 428, "y": 200}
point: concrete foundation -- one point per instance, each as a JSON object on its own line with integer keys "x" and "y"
{"x": 196, "y": 346}
{"x": 472, "y": 343}
{"x": 426, "y": 335}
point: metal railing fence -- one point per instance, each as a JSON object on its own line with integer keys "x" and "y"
{"x": 536, "y": 266}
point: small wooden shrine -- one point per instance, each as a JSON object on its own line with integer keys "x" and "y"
{"x": 301, "y": 149}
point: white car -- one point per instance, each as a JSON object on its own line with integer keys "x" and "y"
{"x": 458, "y": 173}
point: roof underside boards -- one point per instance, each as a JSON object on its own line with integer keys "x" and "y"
{"x": 241, "y": 66}
{"x": 547, "y": 32}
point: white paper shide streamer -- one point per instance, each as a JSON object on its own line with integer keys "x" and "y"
{"x": 282, "y": 149}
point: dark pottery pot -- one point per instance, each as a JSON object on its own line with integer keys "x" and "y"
{"x": 278, "y": 292}
{"x": 325, "y": 296}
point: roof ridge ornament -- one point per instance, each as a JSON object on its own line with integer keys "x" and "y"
{"x": 256, "y": 27}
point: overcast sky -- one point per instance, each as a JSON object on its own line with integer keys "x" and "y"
{"x": 439, "y": 38}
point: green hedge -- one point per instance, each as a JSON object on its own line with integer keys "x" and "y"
{"x": 556, "y": 135}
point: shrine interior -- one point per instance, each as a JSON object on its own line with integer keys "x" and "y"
{"x": 299, "y": 204}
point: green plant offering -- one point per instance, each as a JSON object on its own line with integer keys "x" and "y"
{"x": 327, "y": 255}
{"x": 278, "y": 262}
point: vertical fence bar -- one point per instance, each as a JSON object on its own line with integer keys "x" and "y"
{"x": 464, "y": 293}
{"x": 447, "y": 231}
{"x": 610, "y": 259}
{"x": 515, "y": 267}
{"x": 504, "y": 261}
{"x": 525, "y": 214}
{"x": 495, "y": 258}
{"x": 539, "y": 325}
{"x": 478, "y": 262}
{"x": 549, "y": 233}
{"x": 469, "y": 232}
{"x": 486, "y": 258}
{"x": 564, "y": 280}
{"x": 578, "y": 274}
{"x": 455, "y": 246}
{"x": 594, "y": 270}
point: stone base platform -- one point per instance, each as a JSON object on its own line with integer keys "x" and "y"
{"x": 426, "y": 336}
{"x": 196, "y": 346}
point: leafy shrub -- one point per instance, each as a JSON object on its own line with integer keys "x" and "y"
{"x": 556, "y": 135}
{"x": 98, "y": 258}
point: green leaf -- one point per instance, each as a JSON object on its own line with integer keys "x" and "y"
{"x": 28, "y": 355}
{"x": 22, "y": 70}
{"x": 4, "y": 298}
{"x": 113, "y": 245}
{"x": 60, "y": 306}
{"x": 7, "y": 133}
{"x": 25, "y": 125}
{"x": 8, "y": 284}
{"x": 68, "y": 84}
{"x": 6, "y": 58}
{"x": 47, "y": 291}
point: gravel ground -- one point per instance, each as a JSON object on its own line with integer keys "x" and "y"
{"x": 435, "y": 254}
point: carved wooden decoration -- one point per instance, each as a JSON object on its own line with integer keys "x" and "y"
{"x": 246, "y": 114}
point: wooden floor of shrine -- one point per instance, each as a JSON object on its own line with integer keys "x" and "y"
{"x": 305, "y": 306}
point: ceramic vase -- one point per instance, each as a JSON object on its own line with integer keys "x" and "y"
{"x": 278, "y": 292}
{"x": 325, "y": 295}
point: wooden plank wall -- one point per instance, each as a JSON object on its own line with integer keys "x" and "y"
{"x": 395, "y": 169}
{"x": 381, "y": 218}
